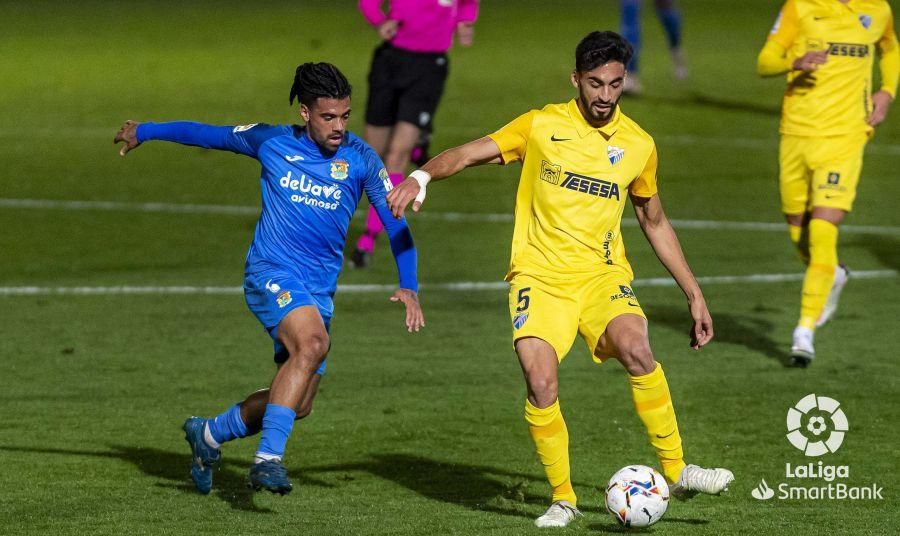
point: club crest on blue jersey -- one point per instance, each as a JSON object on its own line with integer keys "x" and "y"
{"x": 865, "y": 20}
{"x": 284, "y": 298}
{"x": 339, "y": 169}
{"x": 519, "y": 320}
{"x": 614, "y": 153}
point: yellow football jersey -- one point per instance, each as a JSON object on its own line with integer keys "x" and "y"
{"x": 835, "y": 99}
{"x": 572, "y": 190}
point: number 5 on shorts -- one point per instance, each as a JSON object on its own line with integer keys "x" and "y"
{"x": 523, "y": 300}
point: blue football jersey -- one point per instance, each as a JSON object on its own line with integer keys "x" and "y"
{"x": 308, "y": 196}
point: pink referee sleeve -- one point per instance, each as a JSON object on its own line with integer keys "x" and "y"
{"x": 371, "y": 10}
{"x": 468, "y": 11}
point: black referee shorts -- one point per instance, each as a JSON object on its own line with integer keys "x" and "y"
{"x": 405, "y": 86}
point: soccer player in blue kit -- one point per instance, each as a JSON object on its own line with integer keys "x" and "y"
{"x": 313, "y": 177}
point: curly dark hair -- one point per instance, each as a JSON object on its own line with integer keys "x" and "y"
{"x": 314, "y": 80}
{"x": 599, "y": 48}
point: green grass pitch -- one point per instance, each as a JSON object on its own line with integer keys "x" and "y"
{"x": 411, "y": 434}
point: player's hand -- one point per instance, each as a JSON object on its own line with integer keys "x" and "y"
{"x": 811, "y": 61}
{"x": 388, "y": 29}
{"x": 415, "y": 320}
{"x": 402, "y": 195}
{"x": 465, "y": 33}
{"x": 128, "y": 134}
{"x": 702, "y": 330}
{"x": 881, "y": 103}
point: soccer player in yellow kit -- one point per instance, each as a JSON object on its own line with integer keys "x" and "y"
{"x": 827, "y": 49}
{"x": 568, "y": 273}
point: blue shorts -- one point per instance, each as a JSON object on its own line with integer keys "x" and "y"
{"x": 272, "y": 292}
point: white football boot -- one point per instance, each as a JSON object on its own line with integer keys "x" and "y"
{"x": 802, "y": 351}
{"x": 695, "y": 479}
{"x": 841, "y": 276}
{"x": 560, "y": 514}
{"x": 680, "y": 69}
{"x": 633, "y": 85}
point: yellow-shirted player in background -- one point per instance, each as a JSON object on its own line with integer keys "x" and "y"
{"x": 568, "y": 273}
{"x": 827, "y": 48}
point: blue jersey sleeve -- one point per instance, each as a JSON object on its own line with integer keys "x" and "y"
{"x": 377, "y": 184}
{"x": 245, "y": 140}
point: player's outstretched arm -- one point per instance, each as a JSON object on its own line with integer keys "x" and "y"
{"x": 662, "y": 238}
{"x": 244, "y": 140}
{"x": 448, "y": 163}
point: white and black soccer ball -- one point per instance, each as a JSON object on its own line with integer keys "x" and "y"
{"x": 637, "y": 496}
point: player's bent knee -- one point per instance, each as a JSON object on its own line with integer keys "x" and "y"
{"x": 637, "y": 358}
{"x": 544, "y": 390}
{"x": 309, "y": 352}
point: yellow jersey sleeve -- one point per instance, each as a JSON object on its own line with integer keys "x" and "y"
{"x": 786, "y": 26}
{"x": 774, "y": 58}
{"x": 645, "y": 183}
{"x": 512, "y": 139}
{"x": 889, "y": 64}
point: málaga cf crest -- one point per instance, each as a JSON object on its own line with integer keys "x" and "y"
{"x": 614, "y": 153}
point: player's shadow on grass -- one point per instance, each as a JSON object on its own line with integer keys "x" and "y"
{"x": 230, "y": 482}
{"x": 885, "y": 248}
{"x": 615, "y": 528}
{"x": 714, "y": 103}
{"x": 749, "y": 332}
{"x": 476, "y": 487}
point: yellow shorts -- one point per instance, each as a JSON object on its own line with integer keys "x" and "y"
{"x": 555, "y": 310}
{"x": 820, "y": 172}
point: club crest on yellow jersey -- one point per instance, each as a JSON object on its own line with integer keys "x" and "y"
{"x": 614, "y": 154}
{"x": 865, "y": 20}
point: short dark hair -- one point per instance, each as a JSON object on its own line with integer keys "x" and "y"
{"x": 314, "y": 80}
{"x": 599, "y": 48}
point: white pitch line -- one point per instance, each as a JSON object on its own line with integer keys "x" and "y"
{"x": 460, "y": 286}
{"x": 478, "y": 217}
{"x": 684, "y": 140}
{"x": 183, "y": 208}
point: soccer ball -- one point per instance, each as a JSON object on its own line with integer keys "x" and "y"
{"x": 637, "y": 496}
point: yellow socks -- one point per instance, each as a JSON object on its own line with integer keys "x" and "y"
{"x": 551, "y": 438}
{"x": 654, "y": 406}
{"x": 800, "y": 238}
{"x": 819, "y": 277}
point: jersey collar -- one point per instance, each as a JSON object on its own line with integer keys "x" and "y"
{"x": 584, "y": 128}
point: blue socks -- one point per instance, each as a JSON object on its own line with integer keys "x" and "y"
{"x": 226, "y": 426}
{"x": 277, "y": 424}
{"x": 631, "y": 29}
{"x": 631, "y": 26}
{"x": 671, "y": 21}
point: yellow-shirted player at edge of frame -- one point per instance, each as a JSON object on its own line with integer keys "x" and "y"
{"x": 568, "y": 273}
{"x": 827, "y": 48}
